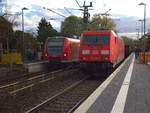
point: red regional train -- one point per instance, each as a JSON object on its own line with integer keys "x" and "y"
{"x": 101, "y": 49}
{"x": 61, "y": 50}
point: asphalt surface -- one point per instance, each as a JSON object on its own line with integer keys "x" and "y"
{"x": 137, "y": 99}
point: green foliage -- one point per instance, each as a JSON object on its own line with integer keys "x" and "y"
{"x": 72, "y": 25}
{"x": 6, "y": 32}
{"x": 101, "y": 23}
{"x": 146, "y": 40}
{"x": 45, "y": 30}
{"x": 30, "y": 41}
{"x": 131, "y": 42}
{"x": 12, "y": 40}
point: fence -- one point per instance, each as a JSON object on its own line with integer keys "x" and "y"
{"x": 147, "y": 57}
{"x": 11, "y": 58}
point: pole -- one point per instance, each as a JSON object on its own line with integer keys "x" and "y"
{"x": 144, "y": 31}
{"x": 137, "y": 34}
{"x": 86, "y": 15}
{"x": 144, "y": 18}
{"x": 23, "y": 54}
{"x": 141, "y": 28}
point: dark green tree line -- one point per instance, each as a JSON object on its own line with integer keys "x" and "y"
{"x": 45, "y": 30}
{"x": 72, "y": 25}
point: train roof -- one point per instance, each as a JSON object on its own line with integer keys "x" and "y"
{"x": 62, "y": 37}
{"x": 103, "y": 31}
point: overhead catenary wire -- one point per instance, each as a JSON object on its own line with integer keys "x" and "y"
{"x": 77, "y": 3}
{"x": 54, "y": 12}
{"x": 68, "y": 10}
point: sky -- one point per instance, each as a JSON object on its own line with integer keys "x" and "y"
{"x": 35, "y": 10}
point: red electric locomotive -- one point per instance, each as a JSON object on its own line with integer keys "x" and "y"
{"x": 101, "y": 49}
{"x": 61, "y": 50}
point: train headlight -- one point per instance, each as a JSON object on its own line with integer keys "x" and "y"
{"x": 105, "y": 52}
{"x": 85, "y": 52}
{"x": 65, "y": 54}
{"x": 46, "y": 54}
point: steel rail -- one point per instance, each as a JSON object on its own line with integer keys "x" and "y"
{"x": 29, "y": 79}
{"x": 39, "y": 106}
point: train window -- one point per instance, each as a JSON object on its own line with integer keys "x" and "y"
{"x": 54, "y": 49}
{"x": 89, "y": 39}
{"x": 55, "y": 45}
{"x": 96, "y": 39}
{"x": 115, "y": 40}
{"x": 103, "y": 39}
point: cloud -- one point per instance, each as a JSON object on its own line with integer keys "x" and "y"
{"x": 36, "y": 11}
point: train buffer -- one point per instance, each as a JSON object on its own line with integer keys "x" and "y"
{"x": 126, "y": 90}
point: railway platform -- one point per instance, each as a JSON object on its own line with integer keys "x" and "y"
{"x": 126, "y": 90}
{"x": 35, "y": 66}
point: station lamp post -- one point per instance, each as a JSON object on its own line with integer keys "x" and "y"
{"x": 144, "y": 15}
{"x": 141, "y": 20}
{"x": 23, "y": 45}
{"x": 144, "y": 27}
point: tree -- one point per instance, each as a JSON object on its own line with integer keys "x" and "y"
{"x": 45, "y": 30}
{"x": 131, "y": 42}
{"x": 72, "y": 25}
{"x": 30, "y": 41}
{"x": 101, "y": 23}
{"x": 6, "y": 32}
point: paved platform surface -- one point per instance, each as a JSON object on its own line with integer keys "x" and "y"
{"x": 127, "y": 92}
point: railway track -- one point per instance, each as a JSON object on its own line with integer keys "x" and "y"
{"x": 7, "y": 79}
{"x": 67, "y": 100}
{"x": 29, "y": 82}
{"x": 20, "y": 100}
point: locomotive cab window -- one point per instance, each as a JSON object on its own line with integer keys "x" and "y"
{"x": 55, "y": 45}
{"x": 96, "y": 39}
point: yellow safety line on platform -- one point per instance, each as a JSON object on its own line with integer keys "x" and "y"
{"x": 15, "y": 91}
{"x": 8, "y": 85}
{"x": 36, "y": 77}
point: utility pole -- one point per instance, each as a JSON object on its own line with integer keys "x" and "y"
{"x": 138, "y": 33}
{"x": 86, "y": 15}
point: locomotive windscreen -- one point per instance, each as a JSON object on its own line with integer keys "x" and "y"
{"x": 55, "y": 45}
{"x": 96, "y": 39}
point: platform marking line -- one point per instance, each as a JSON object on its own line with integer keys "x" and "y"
{"x": 15, "y": 91}
{"x": 36, "y": 77}
{"x": 83, "y": 108}
{"x": 8, "y": 85}
{"x": 119, "y": 105}
{"x": 56, "y": 71}
{"x": 47, "y": 79}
